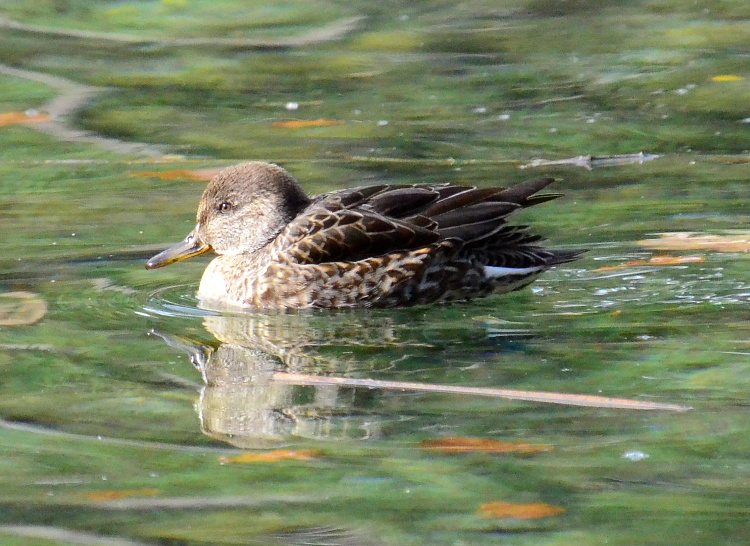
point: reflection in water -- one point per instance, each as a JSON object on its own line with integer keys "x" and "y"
{"x": 242, "y": 404}
{"x": 275, "y": 376}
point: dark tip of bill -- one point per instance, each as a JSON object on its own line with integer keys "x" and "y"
{"x": 153, "y": 263}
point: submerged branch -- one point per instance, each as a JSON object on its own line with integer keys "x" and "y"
{"x": 588, "y": 162}
{"x": 529, "y": 396}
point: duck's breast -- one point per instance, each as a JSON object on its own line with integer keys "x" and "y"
{"x": 214, "y": 285}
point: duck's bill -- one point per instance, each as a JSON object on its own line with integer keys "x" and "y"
{"x": 191, "y": 246}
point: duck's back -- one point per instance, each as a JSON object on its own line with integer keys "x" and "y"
{"x": 386, "y": 246}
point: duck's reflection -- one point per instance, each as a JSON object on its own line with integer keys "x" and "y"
{"x": 270, "y": 377}
{"x": 243, "y": 404}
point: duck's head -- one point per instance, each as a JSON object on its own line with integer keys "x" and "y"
{"x": 242, "y": 210}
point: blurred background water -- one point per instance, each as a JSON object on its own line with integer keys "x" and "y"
{"x": 128, "y": 415}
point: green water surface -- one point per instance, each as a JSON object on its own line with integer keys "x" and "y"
{"x": 123, "y": 407}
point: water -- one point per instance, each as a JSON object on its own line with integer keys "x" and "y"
{"x": 129, "y": 413}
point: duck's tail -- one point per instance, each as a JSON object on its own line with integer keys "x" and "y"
{"x": 564, "y": 256}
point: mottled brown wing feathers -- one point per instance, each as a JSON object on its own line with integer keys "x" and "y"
{"x": 361, "y": 223}
{"x": 515, "y": 246}
{"x": 509, "y": 236}
{"x": 539, "y": 199}
{"x": 461, "y": 199}
{"x": 474, "y": 221}
{"x": 474, "y": 231}
{"x": 349, "y": 235}
{"x": 478, "y": 212}
{"x": 523, "y": 194}
{"x": 530, "y": 256}
{"x": 400, "y": 202}
{"x": 350, "y": 197}
{"x": 422, "y": 221}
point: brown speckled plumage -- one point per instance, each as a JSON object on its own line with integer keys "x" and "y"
{"x": 374, "y": 246}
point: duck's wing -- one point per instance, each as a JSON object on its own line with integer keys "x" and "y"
{"x": 515, "y": 247}
{"x": 475, "y": 214}
{"x": 343, "y": 227}
{"x": 360, "y": 223}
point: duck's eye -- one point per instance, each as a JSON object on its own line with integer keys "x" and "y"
{"x": 225, "y": 206}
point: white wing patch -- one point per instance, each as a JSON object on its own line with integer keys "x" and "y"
{"x": 495, "y": 272}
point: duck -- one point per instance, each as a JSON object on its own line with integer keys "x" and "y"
{"x": 379, "y": 245}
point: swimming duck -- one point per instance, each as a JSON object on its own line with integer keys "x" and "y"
{"x": 372, "y": 246}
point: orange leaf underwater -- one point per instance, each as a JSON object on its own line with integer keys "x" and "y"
{"x": 9, "y": 118}
{"x": 273, "y": 456}
{"x": 738, "y": 241}
{"x": 537, "y": 510}
{"x": 471, "y": 445}
{"x": 104, "y": 496}
{"x": 303, "y": 123}
{"x": 654, "y": 260}
{"x": 727, "y": 78}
